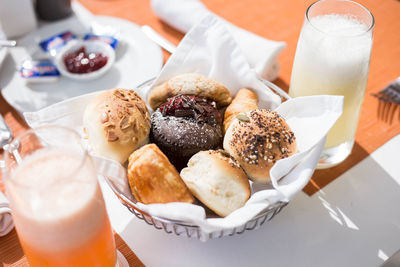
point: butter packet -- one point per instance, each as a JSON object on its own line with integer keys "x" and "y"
{"x": 35, "y": 71}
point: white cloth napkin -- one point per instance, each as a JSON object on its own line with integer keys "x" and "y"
{"x": 6, "y": 222}
{"x": 209, "y": 49}
{"x": 262, "y": 54}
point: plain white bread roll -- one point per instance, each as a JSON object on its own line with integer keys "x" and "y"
{"x": 217, "y": 180}
{"x": 116, "y": 123}
{"x": 257, "y": 139}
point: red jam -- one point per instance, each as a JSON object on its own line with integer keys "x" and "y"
{"x": 191, "y": 106}
{"x": 82, "y": 62}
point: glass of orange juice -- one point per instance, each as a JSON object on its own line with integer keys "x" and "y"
{"x": 56, "y": 201}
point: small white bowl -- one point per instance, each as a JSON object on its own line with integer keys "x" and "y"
{"x": 91, "y": 46}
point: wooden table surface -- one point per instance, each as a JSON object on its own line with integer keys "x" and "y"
{"x": 281, "y": 20}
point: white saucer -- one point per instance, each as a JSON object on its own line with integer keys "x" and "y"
{"x": 137, "y": 59}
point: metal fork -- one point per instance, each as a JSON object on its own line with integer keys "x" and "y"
{"x": 5, "y": 133}
{"x": 8, "y": 43}
{"x": 389, "y": 101}
{"x": 5, "y": 137}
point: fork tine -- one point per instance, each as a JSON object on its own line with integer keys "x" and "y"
{"x": 392, "y": 113}
{"x": 390, "y": 109}
{"x": 396, "y": 109}
{"x": 380, "y": 108}
{"x": 386, "y": 108}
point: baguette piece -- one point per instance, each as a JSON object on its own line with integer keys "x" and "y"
{"x": 217, "y": 180}
{"x": 153, "y": 179}
{"x": 245, "y": 100}
{"x": 190, "y": 84}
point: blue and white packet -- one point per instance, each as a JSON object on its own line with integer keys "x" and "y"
{"x": 54, "y": 43}
{"x": 112, "y": 41}
{"x": 42, "y": 70}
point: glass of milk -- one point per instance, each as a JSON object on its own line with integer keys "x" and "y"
{"x": 332, "y": 58}
{"x": 56, "y": 201}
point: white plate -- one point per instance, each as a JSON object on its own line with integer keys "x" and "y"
{"x": 137, "y": 59}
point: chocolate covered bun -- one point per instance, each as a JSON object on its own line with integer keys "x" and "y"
{"x": 185, "y": 125}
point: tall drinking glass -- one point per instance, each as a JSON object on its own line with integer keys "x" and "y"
{"x": 332, "y": 58}
{"x": 56, "y": 201}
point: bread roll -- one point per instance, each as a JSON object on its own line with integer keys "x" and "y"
{"x": 217, "y": 181}
{"x": 116, "y": 122}
{"x": 257, "y": 139}
{"x": 190, "y": 84}
{"x": 245, "y": 100}
{"x": 153, "y": 179}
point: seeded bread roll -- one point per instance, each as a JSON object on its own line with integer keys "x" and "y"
{"x": 116, "y": 123}
{"x": 245, "y": 100}
{"x": 190, "y": 84}
{"x": 217, "y": 180}
{"x": 257, "y": 139}
{"x": 153, "y": 179}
